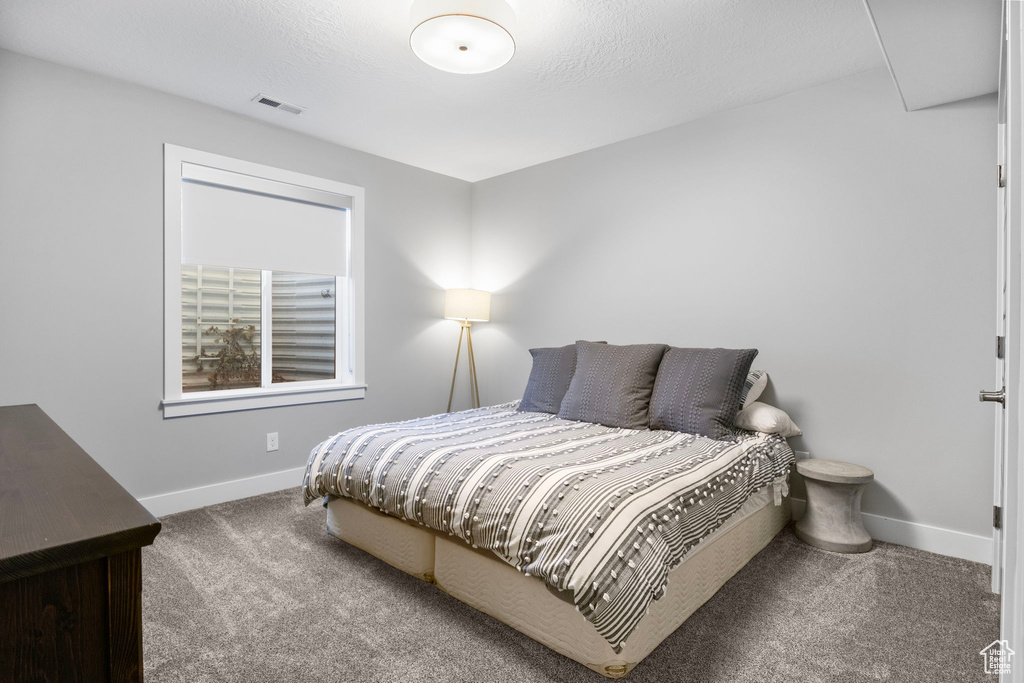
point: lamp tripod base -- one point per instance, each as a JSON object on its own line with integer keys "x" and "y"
{"x": 474, "y": 388}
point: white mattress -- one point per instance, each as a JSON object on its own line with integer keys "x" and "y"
{"x": 599, "y": 511}
{"x": 526, "y": 605}
{"x": 754, "y": 504}
{"x": 485, "y": 582}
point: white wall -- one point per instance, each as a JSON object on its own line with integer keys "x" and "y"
{"x": 851, "y": 242}
{"x": 848, "y": 240}
{"x": 81, "y": 261}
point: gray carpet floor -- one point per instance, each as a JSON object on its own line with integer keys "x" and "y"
{"x": 254, "y": 590}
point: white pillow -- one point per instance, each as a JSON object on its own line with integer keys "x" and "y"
{"x": 761, "y": 417}
{"x": 753, "y": 386}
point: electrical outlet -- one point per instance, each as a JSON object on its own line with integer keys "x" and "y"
{"x": 271, "y": 441}
{"x": 801, "y": 455}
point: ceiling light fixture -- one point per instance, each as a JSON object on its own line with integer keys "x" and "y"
{"x": 463, "y": 36}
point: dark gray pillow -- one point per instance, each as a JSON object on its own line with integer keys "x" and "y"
{"x": 549, "y": 379}
{"x": 698, "y": 391}
{"x": 612, "y": 384}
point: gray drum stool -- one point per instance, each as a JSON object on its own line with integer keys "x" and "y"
{"x": 832, "y": 518}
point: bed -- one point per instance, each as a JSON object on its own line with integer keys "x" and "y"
{"x": 595, "y": 541}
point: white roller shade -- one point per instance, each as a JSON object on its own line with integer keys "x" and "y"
{"x": 240, "y": 221}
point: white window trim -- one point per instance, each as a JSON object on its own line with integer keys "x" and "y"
{"x": 177, "y": 404}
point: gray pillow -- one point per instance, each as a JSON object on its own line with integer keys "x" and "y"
{"x": 612, "y": 384}
{"x": 549, "y": 379}
{"x": 698, "y": 391}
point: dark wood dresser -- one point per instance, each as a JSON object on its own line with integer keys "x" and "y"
{"x": 70, "y": 559}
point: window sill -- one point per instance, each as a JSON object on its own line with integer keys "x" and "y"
{"x": 209, "y": 403}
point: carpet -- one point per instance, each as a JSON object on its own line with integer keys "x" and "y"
{"x": 255, "y": 591}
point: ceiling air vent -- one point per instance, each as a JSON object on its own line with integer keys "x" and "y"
{"x": 278, "y": 104}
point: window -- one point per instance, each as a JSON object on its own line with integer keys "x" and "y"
{"x": 262, "y": 286}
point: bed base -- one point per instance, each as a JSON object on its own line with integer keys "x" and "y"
{"x": 488, "y": 584}
{"x": 400, "y": 544}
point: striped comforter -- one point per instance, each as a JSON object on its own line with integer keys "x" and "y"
{"x": 603, "y": 513}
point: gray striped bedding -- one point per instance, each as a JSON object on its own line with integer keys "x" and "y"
{"x": 601, "y": 512}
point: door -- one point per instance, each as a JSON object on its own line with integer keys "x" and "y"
{"x": 1008, "y": 568}
{"x": 1005, "y": 267}
{"x": 1008, "y": 274}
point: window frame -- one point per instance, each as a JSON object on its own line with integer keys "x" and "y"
{"x": 349, "y": 382}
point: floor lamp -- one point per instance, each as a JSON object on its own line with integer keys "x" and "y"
{"x": 466, "y": 306}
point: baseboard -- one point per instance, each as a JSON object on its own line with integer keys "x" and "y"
{"x": 201, "y": 496}
{"x": 921, "y": 536}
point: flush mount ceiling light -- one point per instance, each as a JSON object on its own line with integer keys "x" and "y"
{"x": 463, "y": 36}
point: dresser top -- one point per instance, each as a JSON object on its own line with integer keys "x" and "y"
{"x": 58, "y": 507}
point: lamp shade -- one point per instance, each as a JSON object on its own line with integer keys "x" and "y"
{"x": 467, "y": 304}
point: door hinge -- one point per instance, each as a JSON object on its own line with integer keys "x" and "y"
{"x": 1000, "y": 347}
{"x": 1001, "y": 179}
{"x": 997, "y": 517}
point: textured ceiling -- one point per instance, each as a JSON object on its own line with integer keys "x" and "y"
{"x": 586, "y": 72}
{"x": 940, "y": 50}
